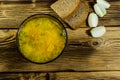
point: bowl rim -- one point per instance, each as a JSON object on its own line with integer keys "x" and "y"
{"x": 31, "y": 17}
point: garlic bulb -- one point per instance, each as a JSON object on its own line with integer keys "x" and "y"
{"x": 92, "y": 20}
{"x": 98, "y": 31}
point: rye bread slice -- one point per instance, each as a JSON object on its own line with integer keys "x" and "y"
{"x": 64, "y": 8}
{"x": 79, "y": 16}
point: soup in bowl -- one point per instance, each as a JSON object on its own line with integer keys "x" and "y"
{"x": 41, "y": 38}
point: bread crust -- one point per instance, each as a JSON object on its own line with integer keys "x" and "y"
{"x": 55, "y": 7}
{"x": 81, "y": 12}
{"x": 73, "y": 10}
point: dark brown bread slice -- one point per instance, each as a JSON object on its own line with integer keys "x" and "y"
{"x": 79, "y": 16}
{"x": 64, "y": 8}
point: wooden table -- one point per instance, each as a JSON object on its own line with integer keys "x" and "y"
{"x": 85, "y": 58}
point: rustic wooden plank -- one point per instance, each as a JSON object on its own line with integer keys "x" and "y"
{"x": 112, "y": 75}
{"x": 85, "y": 76}
{"x": 23, "y": 76}
{"x": 7, "y": 36}
{"x": 16, "y": 13}
{"x": 83, "y": 53}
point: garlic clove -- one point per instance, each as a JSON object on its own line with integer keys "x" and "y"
{"x": 92, "y": 20}
{"x": 98, "y": 31}
{"x": 100, "y": 11}
{"x": 103, "y": 3}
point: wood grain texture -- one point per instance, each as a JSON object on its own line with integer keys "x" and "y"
{"x": 16, "y": 12}
{"x": 83, "y": 52}
{"x": 85, "y": 76}
{"x": 23, "y": 76}
{"x": 85, "y": 58}
{"x": 114, "y": 75}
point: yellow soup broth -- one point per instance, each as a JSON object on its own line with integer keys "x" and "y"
{"x": 42, "y": 39}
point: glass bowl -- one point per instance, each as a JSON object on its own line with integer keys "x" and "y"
{"x": 41, "y": 38}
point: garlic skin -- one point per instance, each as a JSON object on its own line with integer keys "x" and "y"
{"x": 104, "y": 3}
{"x": 98, "y": 31}
{"x": 92, "y": 20}
{"x": 99, "y": 10}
